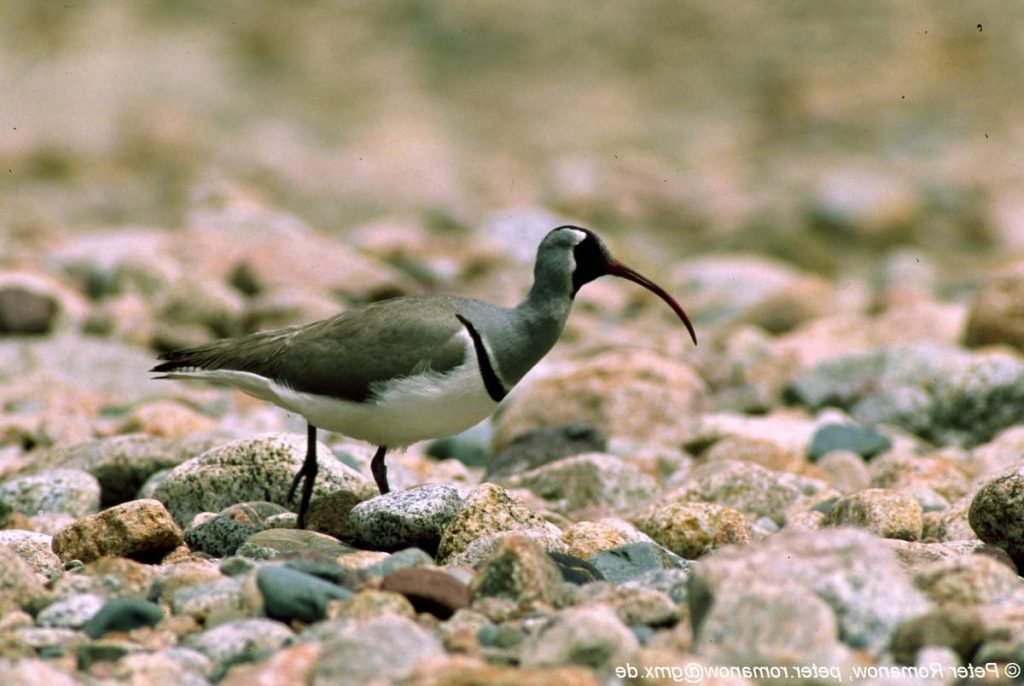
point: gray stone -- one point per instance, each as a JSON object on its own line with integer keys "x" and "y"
{"x": 481, "y": 548}
{"x": 291, "y": 594}
{"x": 862, "y": 440}
{"x": 537, "y": 447}
{"x": 634, "y": 560}
{"x": 941, "y": 393}
{"x": 384, "y": 649}
{"x": 592, "y": 636}
{"x": 416, "y": 518}
{"x": 273, "y": 542}
{"x": 223, "y": 597}
{"x": 995, "y": 513}
{"x": 67, "y": 491}
{"x": 121, "y": 464}
{"x": 260, "y": 468}
{"x": 861, "y": 581}
{"x": 123, "y": 614}
{"x": 242, "y": 640}
{"x": 746, "y": 487}
{"x": 770, "y": 625}
{"x": 218, "y": 535}
{"x": 969, "y": 580}
{"x": 70, "y": 613}
{"x": 591, "y": 481}
{"x": 36, "y": 549}
{"x": 672, "y": 582}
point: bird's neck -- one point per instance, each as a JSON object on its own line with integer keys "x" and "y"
{"x": 544, "y": 312}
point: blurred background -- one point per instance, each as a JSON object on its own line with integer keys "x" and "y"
{"x": 819, "y": 133}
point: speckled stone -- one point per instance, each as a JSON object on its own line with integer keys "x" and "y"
{"x": 135, "y": 528}
{"x": 995, "y": 513}
{"x": 585, "y": 539}
{"x": 36, "y": 549}
{"x": 70, "y": 613}
{"x": 217, "y": 534}
{"x": 592, "y": 636}
{"x": 746, "y": 487}
{"x": 121, "y": 464}
{"x": 887, "y": 513}
{"x": 260, "y": 468}
{"x": 591, "y": 482}
{"x": 634, "y": 395}
{"x": 229, "y": 597}
{"x": 241, "y": 640}
{"x": 387, "y": 648}
{"x": 416, "y": 517}
{"x": 488, "y": 509}
{"x": 691, "y": 529}
{"x": 968, "y": 580}
{"x": 291, "y": 665}
{"x": 768, "y": 625}
{"x": 520, "y": 570}
{"x": 861, "y": 581}
{"x": 960, "y": 628}
{"x": 66, "y": 491}
{"x": 481, "y": 548}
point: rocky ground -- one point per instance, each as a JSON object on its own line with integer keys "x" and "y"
{"x": 826, "y": 490}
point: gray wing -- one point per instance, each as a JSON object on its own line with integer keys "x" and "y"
{"x": 343, "y": 356}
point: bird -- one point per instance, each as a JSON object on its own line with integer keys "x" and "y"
{"x": 394, "y": 372}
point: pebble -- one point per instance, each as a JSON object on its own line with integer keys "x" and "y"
{"x": 488, "y": 509}
{"x": 590, "y": 636}
{"x": 995, "y": 513}
{"x": 887, "y": 513}
{"x": 221, "y": 598}
{"x": 260, "y": 468}
{"x": 861, "y": 440}
{"x": 121, "y": 464}
{"x": 765, "y": 624}
{"x": 386, "y": 649}
{"x": 968, "y": 580}
{"x": 25, "y": 311}
{"x": 746, "y": 487}
{"x": 866, "y": 588}
{"x": 31, "y": 671}
{"x": 70, "y": 613}
{"x": 950, "y": 626}
{"x": 242, "y": 640}
{"x": 537, "y": 447}
{"x": 994, "y": 316}
{"x": 844, "y": 470}
{"x": 65, "y": 491}
{"x": 291, "y": 665}
{"x": 136, "y": 528}
{"x": 691, "y": 529}
{"x": 941, "y": 393}
{"x": 479, "y": 549}
{"x": 586, "y": 539}
{"x": 520, "y": 570}
{"x": 273, "y": 542}
{"x": 416, "y": 517}
{"x": 589, "y": 483}
{"x": 123, "y": 614}
{"x": 291, "y": 594}
{"x": 217, "y": 534}
{"x": 429, "y": 589}
{"x": 635, "y": 560}
{"x": 633, "y": 395}
{"x": 36, "y": 549}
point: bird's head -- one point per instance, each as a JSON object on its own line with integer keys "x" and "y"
{"x": 580, "y": 253}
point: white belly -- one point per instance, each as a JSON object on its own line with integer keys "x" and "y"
{"x": 411, "y": 409}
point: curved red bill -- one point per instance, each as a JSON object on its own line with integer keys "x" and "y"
{"x": 622, "y": 271}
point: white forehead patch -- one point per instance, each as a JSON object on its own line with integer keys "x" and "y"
{"x": 577, "y": 235}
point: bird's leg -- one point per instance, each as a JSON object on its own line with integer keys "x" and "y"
{"x": 379, "y": 469}
{"x": 306, "y": 474}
